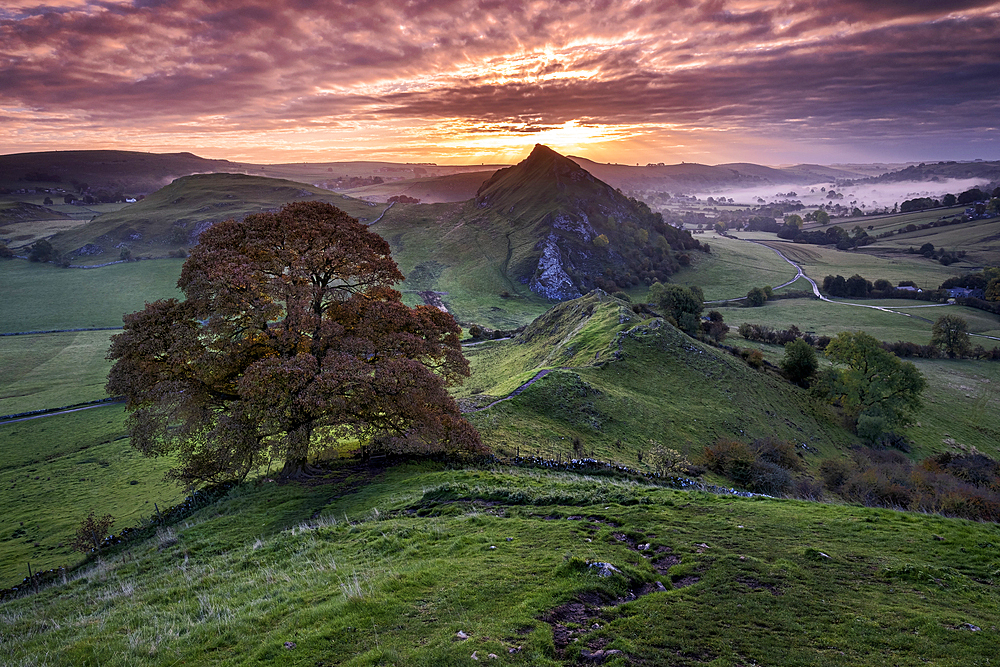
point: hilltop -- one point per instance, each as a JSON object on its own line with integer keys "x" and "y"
{"x": 171, "y": 218}
{"x": 587, "y": 234}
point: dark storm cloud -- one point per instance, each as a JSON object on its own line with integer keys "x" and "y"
{"x": 826, "y": 67}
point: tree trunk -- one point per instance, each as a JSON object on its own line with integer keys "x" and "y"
{"x": 297, "y": 456}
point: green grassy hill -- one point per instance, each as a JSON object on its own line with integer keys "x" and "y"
{"x": 171, "y": 218}
{"x": 421, "y": 565}
{"x": 619, "y": 384}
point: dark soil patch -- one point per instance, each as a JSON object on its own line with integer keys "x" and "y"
{"x": 684, "y": 582}
{"x": 663, "y": 564}
{"x": 759, "y": 585}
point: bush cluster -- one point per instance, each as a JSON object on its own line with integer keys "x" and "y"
{"x": 762, "y": 466}
{"x": 965, "y": 485}
{"x": 765, "y": 334}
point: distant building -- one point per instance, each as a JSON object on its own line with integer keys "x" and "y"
{"x": 964, "y": 293}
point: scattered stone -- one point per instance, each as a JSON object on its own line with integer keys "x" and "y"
{"x": 461, "y": 635}
{"x": 289, "y": 645}
{"x": 605, "y": 569}
{"x": 474, "y": 656}
{"x": 510, "y": 539}
{"x": 515, "y": 650}
{"x": 599, "y": 656}
{"x": 970, "y": 626}
{"x": 492, "y": 656}
{"x": 938, "y": 538}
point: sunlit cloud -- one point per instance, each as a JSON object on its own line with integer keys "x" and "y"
{"x": 452, "y": 80}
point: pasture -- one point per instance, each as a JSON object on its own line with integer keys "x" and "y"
{"x": 42, "y": 371}
{"x": 820, "y": 261}
{"x": 42, "y": 297}
{"x": 54, "y": 470}
{"x": 733, "y": 267}
{"x": 911, "y": 321}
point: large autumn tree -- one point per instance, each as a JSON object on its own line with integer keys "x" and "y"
{"x": 289, "y": 338}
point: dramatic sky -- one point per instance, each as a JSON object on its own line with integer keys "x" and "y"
{"x": 772, "y": 82}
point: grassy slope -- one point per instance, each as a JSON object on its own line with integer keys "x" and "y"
{"x": 431, "y": 190}
{"x": 166, "y": 219}
{"x": 454, "y": 249}
{"x": 392, "y": 571}
{"x": 55, "y": 470}
{"x": 639, "y": 390}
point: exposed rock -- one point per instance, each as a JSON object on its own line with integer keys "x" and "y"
{"x": 550, "y": 279}
{"x": 89, "y": 249}
{"x": 604, "y": 569}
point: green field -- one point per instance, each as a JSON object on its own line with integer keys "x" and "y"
{"x": 55, "y": 470}
{"x": 733, "y": 267}
{"x": 42, "y": 371}
{"x": 828, "y": 319}
{"x": 820, "y": 261}
{"x": 42, "y": 297}
{"x": 425, "y": 566}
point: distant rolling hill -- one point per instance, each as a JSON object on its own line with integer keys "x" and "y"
{"x": 172, "y": 218}
{"x": 429, "y": 190}
{"x": 542, "y": 230}
{"x": 129, "y": 172}
{"x": 687, "y": 177}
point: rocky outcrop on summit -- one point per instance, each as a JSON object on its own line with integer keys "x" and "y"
{"x": 589, "y": 234}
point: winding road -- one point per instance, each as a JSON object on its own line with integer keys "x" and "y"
{"x": 799, "y": 273}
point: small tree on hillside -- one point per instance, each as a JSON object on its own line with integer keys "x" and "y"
{"x": 873, "y": 386}
{"x": 756, "y": 297}
{"x": 681, "y": 305}
{"x": 91, "y": 532}
{"x": 799, "y": 362}
{"x": 950, "y": 333}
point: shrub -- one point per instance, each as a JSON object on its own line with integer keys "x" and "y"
{"x": 799, "y": 362}
{"x": 779, "y": 452}
{"x": 91, "y": 532}
{"x": 668, "y": 461}
{"x": 835, "y": 472}
{"x": 761, "y": 467}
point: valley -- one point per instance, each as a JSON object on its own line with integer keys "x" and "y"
{"x": 442, "y": 562}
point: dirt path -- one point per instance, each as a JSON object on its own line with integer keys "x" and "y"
{"x": 59, "y": 412}
{"x": 538, "y": 376}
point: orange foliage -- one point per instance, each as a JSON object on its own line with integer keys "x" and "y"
{"x": 289, "y": 337}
